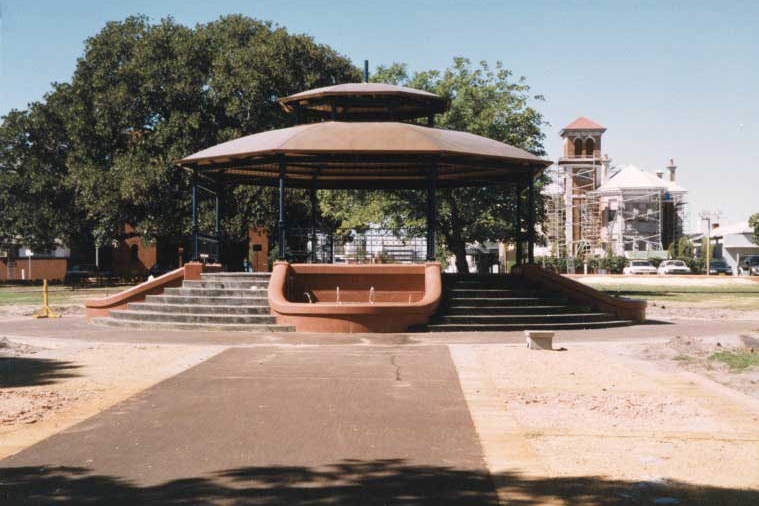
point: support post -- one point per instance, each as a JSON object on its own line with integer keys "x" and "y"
{"x": 531, "y": 220}
{"x": 314, "y": 207}
{"x": 518, "y": 223}
{"x": 217, "y": 224}
{"x": 195, "y": 230}
{"x": 281, "y": 231}
{"x": 431, "y": 211}
{"x": 296, "y": 113}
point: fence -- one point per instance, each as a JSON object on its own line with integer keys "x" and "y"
{"x": 373, "y": 245}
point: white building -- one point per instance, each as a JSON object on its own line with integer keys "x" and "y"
{"x": 641, "y": 213}
{"x": 732, "y": 242}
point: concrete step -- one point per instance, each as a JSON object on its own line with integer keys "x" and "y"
{"x": 219, "y": 327}
{"x": 199, "y": 308}
{"x": 495, "y": 327}
{"x": 240, "y": 276}
{"x": 525, "y": 309}
{"x": 153, "y": 316}
{"x": 504, "y": 301}
{"x": 216, "y": 292}
{"x": 525, "y": 318}
{"x": 233, "y": 284}
{"x": 474, "y": 293}
{"x": 253, "y": 300}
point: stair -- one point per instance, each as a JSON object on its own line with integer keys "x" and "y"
{"x": 221, "y": 301}
{"x": 473, "y": 303}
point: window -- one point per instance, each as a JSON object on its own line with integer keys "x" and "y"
{"x": 578, "y": 147}
{"x": 590, "y": 146}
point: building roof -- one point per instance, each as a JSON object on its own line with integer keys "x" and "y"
{"x": 365, "y": 154}
{"x": 634, "y": 178}
{"x": 740, "y": 227}
{"x": 366, "y": 101}
{"x": 583, "y": 123}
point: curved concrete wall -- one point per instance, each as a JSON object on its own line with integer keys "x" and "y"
{"x": 404, "y": 295}
{"x": 103, "y": 306}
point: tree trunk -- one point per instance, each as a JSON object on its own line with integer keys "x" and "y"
{"x": 458, "y": 247}
{"x": 459, "y": 250}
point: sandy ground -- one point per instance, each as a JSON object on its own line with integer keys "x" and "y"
{"x": 620, "y": 411}
{"x": 693, "y": 311}
{"x": 675, "y": 281}
{"x": 47, "y": 385}
{"x": 14, "y": 311}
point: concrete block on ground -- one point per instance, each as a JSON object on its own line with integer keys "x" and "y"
{"x": 539, "y": 339}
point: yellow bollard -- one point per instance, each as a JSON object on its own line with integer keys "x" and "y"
{"x": 45, "y": 312}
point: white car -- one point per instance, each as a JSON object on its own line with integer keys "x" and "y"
{"x": 639, "y": 267}
{"x": 673, "y": 267}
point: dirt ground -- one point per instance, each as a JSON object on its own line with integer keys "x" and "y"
{"x": 622, "y": 411}
{"x": 47, "y": 385}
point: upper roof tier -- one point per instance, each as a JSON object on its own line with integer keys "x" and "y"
{"x": 365, "y": 102}
{"x": 582, "y": 123}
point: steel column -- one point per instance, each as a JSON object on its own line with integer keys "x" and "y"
{"x": 531, "y": 220}
{"x": 217, "y": 224}
{"x": 431, "y": 212}
{"x": 518, "y": 223}
{"x": 314, "y": 206}
{"x": 195, "y": 230}
{"x": 281, "y": 230}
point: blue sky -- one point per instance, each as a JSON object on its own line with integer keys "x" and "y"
{"x": 667, "y": 78}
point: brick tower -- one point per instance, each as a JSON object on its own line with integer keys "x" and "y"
{"x": 584, "y": 171}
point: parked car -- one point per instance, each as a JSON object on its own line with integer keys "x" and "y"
{"x": 718, "y": 266}
{"x": 749, "y": 266}
{"x": 639, "y": 267}
{"x": 79, "y": 273}
{"x": 673, "y": 267}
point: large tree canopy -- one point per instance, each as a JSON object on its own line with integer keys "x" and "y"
{"x": 485, "y": 101}
{"x": 96, "y": 153}
{"x": 142, "y": 95}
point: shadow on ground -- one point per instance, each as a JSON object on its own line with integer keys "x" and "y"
{"x": 352, "y": 482}
{"x": 27, "y": 372}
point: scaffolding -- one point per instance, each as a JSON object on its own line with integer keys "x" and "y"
{"x": 583, "y": 222}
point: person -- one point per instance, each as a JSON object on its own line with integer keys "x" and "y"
{"x": 246, "y": 265}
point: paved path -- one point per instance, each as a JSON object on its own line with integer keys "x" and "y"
{"x": 272, "y": 425}
{"x": 75, "y": 327}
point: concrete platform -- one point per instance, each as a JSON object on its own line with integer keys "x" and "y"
{"x": 272, "y": 426}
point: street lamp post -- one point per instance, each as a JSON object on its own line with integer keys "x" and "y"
{"x": 707, "y": 216}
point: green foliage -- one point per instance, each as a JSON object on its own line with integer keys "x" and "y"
{"x": 98, "y": 150}
{"x": 485, "y": 101}
{"x": 737, "y": 360}
{"x": 609, "y": 264}
{"x": 684, "y": 249}
{"x": 753, "y": 222}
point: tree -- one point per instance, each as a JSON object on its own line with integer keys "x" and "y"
{"x": 149, "y": 94}
{"x": 35, "y": 193}
{"x": 753, "y": 222}
{"x": 141, "y": 96}
{"x": 484, "y": 101}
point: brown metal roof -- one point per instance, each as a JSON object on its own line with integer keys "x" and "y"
{"x": 366, "y": 101}
{"x": 365, "y": 155}
{"x": 583, "y": 123}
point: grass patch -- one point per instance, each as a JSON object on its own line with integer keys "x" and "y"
{"x": 736, "y": 360}
{"x": 32, "y": 295}
{"x": 740, "y": 297}
{"x": 683, "y": 358}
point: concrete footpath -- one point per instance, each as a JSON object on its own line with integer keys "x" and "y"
{"x": 272, "y": 425}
